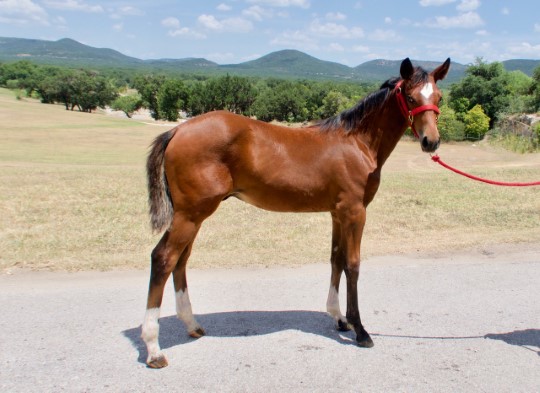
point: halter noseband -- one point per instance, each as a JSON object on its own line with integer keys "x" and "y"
{"x": 409, "y": 114}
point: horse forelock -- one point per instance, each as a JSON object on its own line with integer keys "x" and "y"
{"x": 419, "y": 77}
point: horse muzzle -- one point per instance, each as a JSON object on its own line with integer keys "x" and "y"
{"x": 428, "y": 145}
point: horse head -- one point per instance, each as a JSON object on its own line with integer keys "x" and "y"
{"x": 419, "y": 98}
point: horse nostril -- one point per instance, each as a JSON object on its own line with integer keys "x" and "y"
{"x": 425, "y": 142}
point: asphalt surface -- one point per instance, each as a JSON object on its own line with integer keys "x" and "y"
{"x": 464, "y": 322}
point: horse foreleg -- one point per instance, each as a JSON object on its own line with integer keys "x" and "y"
{"x": 353, "y": 235}
{"x": 338, "y": 263}
{"x": 183, "y": 304}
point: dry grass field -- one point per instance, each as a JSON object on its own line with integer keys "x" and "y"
{"x": 73, "y": 197}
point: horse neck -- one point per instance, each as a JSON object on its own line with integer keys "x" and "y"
{"x": 386, "y": 132}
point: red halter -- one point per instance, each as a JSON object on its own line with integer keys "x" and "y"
{"x": 409, "y": 114}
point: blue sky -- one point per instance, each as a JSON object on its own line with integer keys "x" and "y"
{"x": 233, "y": 31}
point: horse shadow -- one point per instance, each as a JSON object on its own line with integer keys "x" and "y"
{"x": 258, "y": 323}
{"x": 521, "y": 338}
{"x": 242, "y": 324}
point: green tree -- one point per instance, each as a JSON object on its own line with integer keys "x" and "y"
{"x": 20, "y": 71}
{"x": 232, "y": 93}
{"x": 127, "y": 104}
{"x": 450, "y": 128}
{"x": 486, "y": 85}
{"x": 148, "y": 87}
{"x": 535, "y": 89}
{"x": 333, "y": 103}
{"x": 476, "y": 123}
{"x": 283, "y": 101}
{"x": 90, "y": 91}
{"x": 171, "y": 98}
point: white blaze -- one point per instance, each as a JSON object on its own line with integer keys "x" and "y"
{"x": 427, "y": 90}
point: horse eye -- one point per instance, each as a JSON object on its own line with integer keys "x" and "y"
{"x": 410, "y": 99}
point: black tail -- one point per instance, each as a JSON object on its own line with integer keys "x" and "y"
{"x": 159, "y": 198}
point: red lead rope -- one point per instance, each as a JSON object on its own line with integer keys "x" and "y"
{"x": 409, "y": 115}
{"x": 438, "y": 160}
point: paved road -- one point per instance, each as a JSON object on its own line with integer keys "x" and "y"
{"x": 467, "y": 322}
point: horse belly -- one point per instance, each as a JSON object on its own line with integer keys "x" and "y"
{"x": 284, "y": 191}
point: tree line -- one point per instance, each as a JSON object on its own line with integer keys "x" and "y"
{"x": 488, "y": 93}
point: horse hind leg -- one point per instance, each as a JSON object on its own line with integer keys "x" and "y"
{"x": 183, "y": 304}
{"x": 165, "y": 258}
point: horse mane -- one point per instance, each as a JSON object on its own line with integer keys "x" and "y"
{"x": 358, "y": 118}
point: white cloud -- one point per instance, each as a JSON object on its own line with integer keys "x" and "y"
{"x": 388, "y": 20}
{"x": 118, "y": 26}
{"x": 22, "y": 12}
{"x": 468, "y": 5}
{"x": 283, "y": 3}
{"x": 175, "y": 30}
{"x": 465, "y": 21}
{"x": 224, "y": 7}
{"x": 505, "y": 11}
{"x": 335, "y": 16}
{"x": 335, "y": 47}
{"x": 335, "y": 30}
{"x": 384, "y": 35}
{"x": 525, "y": 50}
{"x": 430, "y": 3}
{"x": 296, "y": 39}
{"x": 73, "y": 5}
{"x": 257, "y": 13}
{"x": 238, "y": 25}
{"x": 537, "y": 27}
{"x": 361, "y": 49}
{"x": 170, "y": 22}
{"x": 129, "y": 10}
{"x": 185, "y": 31}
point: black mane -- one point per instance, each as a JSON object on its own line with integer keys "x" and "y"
{"x": 358, "y": 117}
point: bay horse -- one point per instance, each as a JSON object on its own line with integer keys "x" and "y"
{"x": 333, "y": 166}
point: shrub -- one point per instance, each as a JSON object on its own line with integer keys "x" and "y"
{"x": 476, "y": 123}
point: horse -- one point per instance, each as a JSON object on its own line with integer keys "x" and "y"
{"x": 332, "y": 166}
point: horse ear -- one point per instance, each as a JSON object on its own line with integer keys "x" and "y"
{"x": 441, "y": 71}
{"x": 406, "y": 70}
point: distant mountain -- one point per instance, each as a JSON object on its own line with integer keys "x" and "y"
{"x": 292, "y": 63}
{"x": 526, "y": 66}
{"x": 65, "y": 52}
{"x": 284, "y": 63}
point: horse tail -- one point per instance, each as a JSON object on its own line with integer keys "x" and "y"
{"x": 159, "y": 197}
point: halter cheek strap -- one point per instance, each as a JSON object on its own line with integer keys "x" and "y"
{"x": 408, "y": 113}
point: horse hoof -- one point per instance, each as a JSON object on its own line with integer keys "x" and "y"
{"x": 197, "y": 333}
{"x": 158, "y": 361}
{"x": 343, "y": 326}
{"x": 364, "y": 341}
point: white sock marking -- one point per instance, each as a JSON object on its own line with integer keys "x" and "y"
{"x": 150, "y": 332}
{"x": 184, "y": 312}
{"x": 332, "y": 305}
